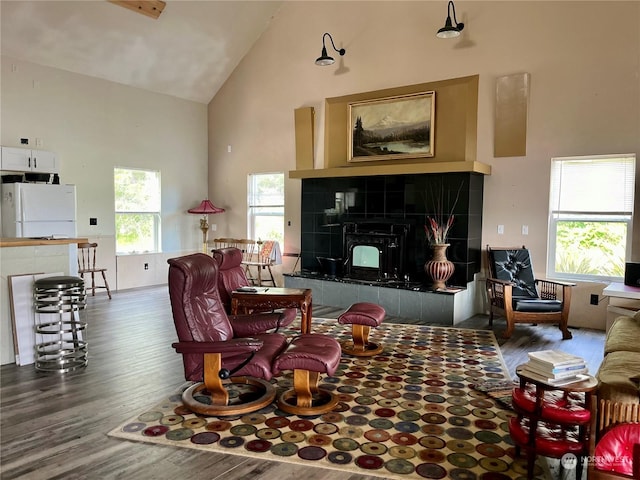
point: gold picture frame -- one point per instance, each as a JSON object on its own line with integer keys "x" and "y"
{"x": 392, "y": 128}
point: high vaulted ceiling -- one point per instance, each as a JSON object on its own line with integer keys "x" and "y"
{"x": 188, "y": 52}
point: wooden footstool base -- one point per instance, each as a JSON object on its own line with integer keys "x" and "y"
{"x": 308, "y": 356}
{"x": 362, "y": 317}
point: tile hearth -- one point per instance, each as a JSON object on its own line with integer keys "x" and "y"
{"x": 414, "y": 301}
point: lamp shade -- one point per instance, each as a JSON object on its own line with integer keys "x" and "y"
{"x": 205, "y": 208}
{"x": 449, "y": 31}
{"x": 324, "y": 58}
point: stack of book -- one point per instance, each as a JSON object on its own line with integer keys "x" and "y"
{"x": 555, "y": 367}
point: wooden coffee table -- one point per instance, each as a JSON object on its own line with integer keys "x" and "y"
{"x": 271, "y": 298}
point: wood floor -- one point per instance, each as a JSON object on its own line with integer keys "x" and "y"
{"x": 55, "y": 426}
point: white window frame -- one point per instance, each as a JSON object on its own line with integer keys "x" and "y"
{"x": 155, "y": 214}
{"x": 254, "y": 202}
{"x": 623, "y": 213}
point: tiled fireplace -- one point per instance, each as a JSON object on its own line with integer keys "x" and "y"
{"x": 388, "y": 213}
{"x": 353, "y": 212}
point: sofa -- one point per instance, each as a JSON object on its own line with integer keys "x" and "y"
{"x": 615, "y": 433}
{"x": 619, "y": 373}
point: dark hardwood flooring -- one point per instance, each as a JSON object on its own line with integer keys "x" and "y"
{"x": 55, "y": 426}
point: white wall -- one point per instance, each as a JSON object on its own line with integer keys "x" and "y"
{"x": 583, "y": 58}
{"x": 95, "y": 125}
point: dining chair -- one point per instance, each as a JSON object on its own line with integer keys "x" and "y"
{"x": 262, "y": 261}
{"x": 87, "y": 265}
{"x": 222, "y": 242}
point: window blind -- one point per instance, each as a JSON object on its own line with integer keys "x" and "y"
{"x": 266, "y": 190}
{"x": 592, "y": 185}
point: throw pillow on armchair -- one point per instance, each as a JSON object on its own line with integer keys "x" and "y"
{"x": 615, "y": 450}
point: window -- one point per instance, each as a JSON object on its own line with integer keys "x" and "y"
{"x": 137, "y": 207}
{"x": 590, "y": 216}
{"x": 266, "y": 206}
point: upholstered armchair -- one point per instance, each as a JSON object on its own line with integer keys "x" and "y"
{"x": 232, "y": 276}
{"x": 513, "y": 291}
{"x": 219, "y": 352}
{"x": 614, "y": 441}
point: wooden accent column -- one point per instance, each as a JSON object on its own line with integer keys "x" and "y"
{"x": 304, "y": 125}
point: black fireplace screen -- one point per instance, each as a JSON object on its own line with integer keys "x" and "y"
{"x": 374, "y": 251}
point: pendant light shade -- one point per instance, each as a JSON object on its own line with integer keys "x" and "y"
{"x": 449, "y": 31}
{"x": 324, "y": 58}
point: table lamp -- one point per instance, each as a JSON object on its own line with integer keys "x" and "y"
{"x": 205, "y": 208}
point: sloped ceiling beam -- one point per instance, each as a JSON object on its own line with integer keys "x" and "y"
{"x": 150, "y": 8}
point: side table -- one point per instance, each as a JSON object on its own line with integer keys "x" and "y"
{"x": 623, "y": 300}
{"x": 271, "y": 298}
{"x": 552, "y": 421}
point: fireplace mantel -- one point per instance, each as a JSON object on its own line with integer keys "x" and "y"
{"x": 393, "y": 169}
{"x": 455, "y": 145}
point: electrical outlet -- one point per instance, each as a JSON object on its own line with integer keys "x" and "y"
{"x": 500, "y": 229}
{"x": 93, "y": 221}
{"x": 594, "y": 299}
{"x": 24, "y": 141}
{"x": 146, "y": 266}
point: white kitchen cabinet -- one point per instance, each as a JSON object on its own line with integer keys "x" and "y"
{"x": 28, "y": 160}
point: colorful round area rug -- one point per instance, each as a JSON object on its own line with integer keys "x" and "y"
{"x": 410, "y": 412}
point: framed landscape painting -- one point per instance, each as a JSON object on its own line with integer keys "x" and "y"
{"x": 391, "y": 128}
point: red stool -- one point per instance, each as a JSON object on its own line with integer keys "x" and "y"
{"x": 362, "y": 317}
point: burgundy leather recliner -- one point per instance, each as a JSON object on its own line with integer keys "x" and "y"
{"x": 217, "y": 347}
{"x": 232, "y": 277}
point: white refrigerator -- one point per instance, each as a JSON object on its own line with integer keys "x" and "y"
{"x": 38, "y": 210}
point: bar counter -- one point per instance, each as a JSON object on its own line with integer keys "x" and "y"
{"x": 21, "y": 257}
{"x": 30, "y": 242}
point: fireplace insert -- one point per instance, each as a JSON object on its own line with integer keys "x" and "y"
{"x": 374, "y": 251}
